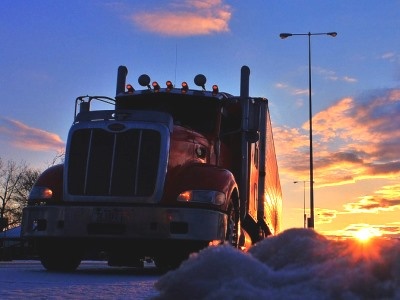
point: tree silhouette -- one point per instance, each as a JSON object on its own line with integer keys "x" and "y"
{"x": 16, "y": 181}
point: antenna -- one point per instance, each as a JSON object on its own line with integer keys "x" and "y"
{"x": 176, "y": 60}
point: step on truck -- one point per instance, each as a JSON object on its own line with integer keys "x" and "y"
{"x": 166, "y": 172}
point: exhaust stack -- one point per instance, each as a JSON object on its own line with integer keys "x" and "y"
{"x": 121, "y": 79}
{"x": 244, "y": 82}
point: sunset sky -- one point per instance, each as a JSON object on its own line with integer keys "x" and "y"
{"x": 53, "y": 51}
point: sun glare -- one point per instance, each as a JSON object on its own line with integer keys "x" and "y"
{"x": 365, "y": 234}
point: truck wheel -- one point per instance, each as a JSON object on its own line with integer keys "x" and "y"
{"x": 233, "y": 228}
{"x": 60, "y": 264}
{"x": 60, "y": 259}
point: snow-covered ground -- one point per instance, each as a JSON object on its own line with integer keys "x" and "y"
{"x": 296, "y": 264}
{"x": 21, "y": 279}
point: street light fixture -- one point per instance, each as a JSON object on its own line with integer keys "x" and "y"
{"x": 309, "y": 34}
{"x": 306, "y": 220}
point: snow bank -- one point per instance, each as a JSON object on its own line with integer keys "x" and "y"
{"x": 296, "y": 264}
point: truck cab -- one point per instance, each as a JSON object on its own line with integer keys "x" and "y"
{"x": 165, "y": 172}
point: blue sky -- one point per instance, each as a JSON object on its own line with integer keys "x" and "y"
{"x": 53, "y": 51}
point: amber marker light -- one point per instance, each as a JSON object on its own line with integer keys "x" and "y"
{"x": 169, "y": 84}
{"x": 185, "y": 87}
{"x": 185, "y": 196}
{"x": 215, "y": 89}
{"x": 156, "y": 86}
{"x": 130, "y": 88}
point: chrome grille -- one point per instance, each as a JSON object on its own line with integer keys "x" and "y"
{"x": 104, "y": 163}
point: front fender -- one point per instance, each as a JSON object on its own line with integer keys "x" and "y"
{"x": 51, "y": 178}
{"x": 200, "y": 177}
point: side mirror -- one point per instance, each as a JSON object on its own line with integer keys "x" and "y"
{"x": 252, "y": 136}
{"x": 251, "y": 119}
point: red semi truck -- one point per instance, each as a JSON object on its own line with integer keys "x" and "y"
{"x": 164, "y": 173}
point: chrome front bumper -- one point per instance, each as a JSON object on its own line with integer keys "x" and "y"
{"x": 123, "y": 222}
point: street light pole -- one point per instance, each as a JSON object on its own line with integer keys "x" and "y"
{"x": 304, "y": 203}
{"x": 309, "y": 34}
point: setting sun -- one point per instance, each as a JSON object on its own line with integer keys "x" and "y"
{"x": 365, "y": 234}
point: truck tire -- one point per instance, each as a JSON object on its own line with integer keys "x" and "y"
{"x": 59, "y": 258}
{"x": 233, "y": 226}
{"x": 58, "y": 263}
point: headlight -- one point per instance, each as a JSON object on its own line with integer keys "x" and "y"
{"x": 202, "y": 196}
{"x": 40, "y": 192}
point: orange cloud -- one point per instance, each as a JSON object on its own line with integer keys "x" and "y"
{"x": 354, "y": 139}
{"x": 25, "y": 137}
{"x": 187, "y": 18}
{"x": 386, "y": 199}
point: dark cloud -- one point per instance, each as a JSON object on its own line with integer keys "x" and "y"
{"x": 391, "y": 229}
{"x": 387, "y": 149}
{"x": 347, "y": 157}
{"x": 351, "y": 157}
{"x": 389, "y": 168}
{"x": 373, "y": 204}
{"x": 325, "y": 215}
